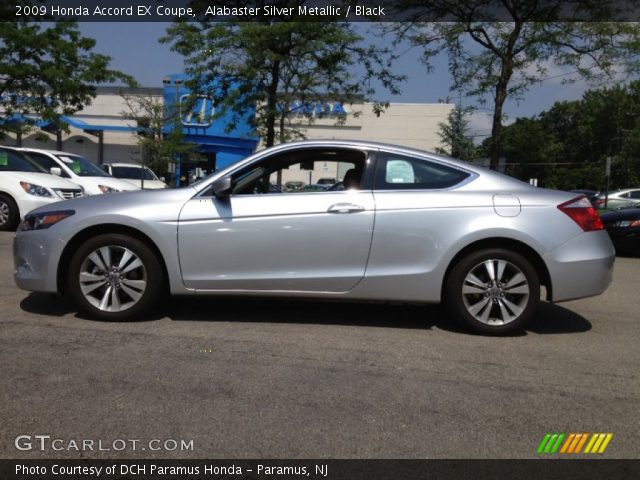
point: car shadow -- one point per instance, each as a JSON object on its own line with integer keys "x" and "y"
{"x": 549, "y": 319}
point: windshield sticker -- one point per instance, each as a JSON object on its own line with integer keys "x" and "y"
{"x": 76, "y": 167}
{"x": 4, "y": 159}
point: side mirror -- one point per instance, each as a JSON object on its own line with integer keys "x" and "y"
{"x": 221, "y": 187}
{"x": 56, "y": 171}
{"x": 162, "y": 179}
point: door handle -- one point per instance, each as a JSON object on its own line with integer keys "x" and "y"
{"x": 345, "y": 208}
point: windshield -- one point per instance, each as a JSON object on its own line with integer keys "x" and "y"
{"x": 11, "y": 161}
{"x": 82, "y": 167}
{"x": 132, "y": 173}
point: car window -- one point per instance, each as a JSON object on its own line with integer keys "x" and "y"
{"x": 400, "y": 172}
{"x": 634, "y": 194}
{"x": 132, "y": 173}
{"x": 300, "y": 171}
{"x": 11, "y": 161}
{"x": 46, "y": 162}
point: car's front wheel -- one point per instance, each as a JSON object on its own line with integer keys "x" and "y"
{"x": 493, "y": 291}
{"x": 114, "y": 277}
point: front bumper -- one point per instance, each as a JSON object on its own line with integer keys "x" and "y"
{"x": 35, "y": 259}
{"x": 31, "y": 202}
{"x": 582, "y": 267}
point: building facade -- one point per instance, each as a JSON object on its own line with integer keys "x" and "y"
{"x": 102, "y": 133}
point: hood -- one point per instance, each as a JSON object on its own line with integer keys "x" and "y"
{"x": 110, "y": 182}
{"x": 42, "y": 179}
{"x": 122, "y": 201}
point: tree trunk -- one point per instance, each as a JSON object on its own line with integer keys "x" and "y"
{"x": 272, "y": 103}
{"x": 496, "y": 127}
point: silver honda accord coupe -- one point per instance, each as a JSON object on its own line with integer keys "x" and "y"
{"x": 398, "y": 225}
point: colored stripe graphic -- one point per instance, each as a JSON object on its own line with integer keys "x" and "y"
{"x": 551, "y": 443}
{"x": 573, "y": 443}
{"x": 598, "y": 442}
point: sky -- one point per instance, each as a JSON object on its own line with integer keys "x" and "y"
{"x": 134, "y": 49}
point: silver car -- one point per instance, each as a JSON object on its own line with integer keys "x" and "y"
{"x": 409, "y": 226}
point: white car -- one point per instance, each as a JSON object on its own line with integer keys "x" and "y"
{"x": 25, "y": 186}
{"x": 133, "y": 173}
{"x": 79, "y": 170}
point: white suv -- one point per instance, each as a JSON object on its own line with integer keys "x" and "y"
{"x": 24, "y": 186}
{"x": 79, "y": 170}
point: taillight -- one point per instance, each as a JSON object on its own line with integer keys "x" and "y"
{"x": 581, "y": 212}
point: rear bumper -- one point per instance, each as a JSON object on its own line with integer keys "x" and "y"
{"x": 582, "y": 267}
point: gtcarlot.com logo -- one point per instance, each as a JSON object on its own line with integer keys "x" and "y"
{"x": 573, "y": 443}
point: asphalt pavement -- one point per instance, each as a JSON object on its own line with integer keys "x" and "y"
{"x": 251, "y": 378}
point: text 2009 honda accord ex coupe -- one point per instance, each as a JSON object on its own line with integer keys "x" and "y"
{"x": 398, "y": 225}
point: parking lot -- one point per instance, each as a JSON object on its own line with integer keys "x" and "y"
{"x": 283, "y": 379}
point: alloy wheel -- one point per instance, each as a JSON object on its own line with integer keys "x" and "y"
{"x": 112, "y": 278}
{"x": 495, "y": 292}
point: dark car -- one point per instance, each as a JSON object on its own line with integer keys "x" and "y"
{"x": 623, "y": 226}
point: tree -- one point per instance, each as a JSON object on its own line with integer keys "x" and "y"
{"x": 505, "y": 57}
{"x": 158, "y": 143}
{"x": 567, "y": 146}
{"x": 454, "y": 135}
{"x": 277, "y": 67}
{"x": 48, "y": 70}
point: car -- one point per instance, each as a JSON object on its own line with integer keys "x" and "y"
{"x": 410, "y": 226}
{"x": 619, "y": 198}
{"x": 294, "y": 186}
{"x": 591, "y": 195}
{"x": 326, "y": 182}
{"x": 25, "y": 186}
{"x": 623, "y": 226}
{"x": 132, "y": 173}
{"x": 79, "y": 170}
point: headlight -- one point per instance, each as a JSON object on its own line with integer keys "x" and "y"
{"x": 40, "y": 221}
{"x": 36, "y": 190}
{"x": 105, "y": 189}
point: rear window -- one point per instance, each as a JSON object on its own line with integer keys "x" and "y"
{"x": 400, "y": 172}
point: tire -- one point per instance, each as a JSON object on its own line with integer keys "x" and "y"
{"x": 130, "y": 288}
{"x": 9, "y": 213}
{"x": 493, "y": 305}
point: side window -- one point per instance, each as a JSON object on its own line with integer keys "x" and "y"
{"x": 400, "y": 172}
{"x": 302, "y": 171}
{"x": 46, "y": 162}
{"x": 634, "y": 194}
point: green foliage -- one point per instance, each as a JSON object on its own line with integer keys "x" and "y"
{"x": 49, "y": 69}
{"x": 151, "y": 117}
{"x": 268, "y": 65}
{"x": 503, "y": 59}
{"x": 454, "y": 135}
{"x": 567, "y": 146}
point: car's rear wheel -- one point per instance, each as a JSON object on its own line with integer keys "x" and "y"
{"x": 493, "y": 291}
{"x": 115, "y": 277}
{"x": 9, "y": 213}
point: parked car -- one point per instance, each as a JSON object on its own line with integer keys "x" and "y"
{"x": 133, "y": 174}
{"x": 591, "y": 195}
{"x": 25, "y": 186}
{"x": 79, "y": 170}
{"x": 619, "y": 198}
{"x": 444, "y": 230}
{"x": 623, "y": 226}
{"x": 294, "y": 186}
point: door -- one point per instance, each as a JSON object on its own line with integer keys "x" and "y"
{"x": 279, "y": 231}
